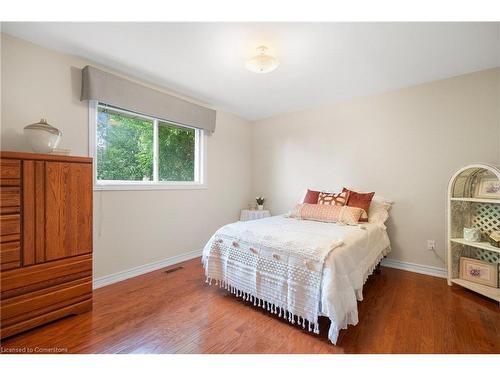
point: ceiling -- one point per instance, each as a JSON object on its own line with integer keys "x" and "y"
{"x": 319, "y": 62}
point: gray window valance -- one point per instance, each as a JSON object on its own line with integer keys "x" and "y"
{"x": 114, "y": 90}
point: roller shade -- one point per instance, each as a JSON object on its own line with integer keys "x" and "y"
{"x": 114, "y": 90}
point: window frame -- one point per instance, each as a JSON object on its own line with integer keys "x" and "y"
{"x": 200, "y": 171}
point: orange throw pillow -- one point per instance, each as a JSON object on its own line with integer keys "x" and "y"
{"x": 361, "y": 200}
{"x": 311, "y": 197}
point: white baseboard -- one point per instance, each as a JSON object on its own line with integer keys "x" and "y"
{"x": 413, "y": 267}
{"x": 136, "y": 271}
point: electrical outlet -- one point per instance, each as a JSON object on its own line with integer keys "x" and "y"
{"x": 431, "y": 245}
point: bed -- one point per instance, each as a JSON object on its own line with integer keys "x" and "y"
{"x": 264, "y": 262}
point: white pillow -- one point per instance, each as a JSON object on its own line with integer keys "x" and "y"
{"x": 379, "y": 210}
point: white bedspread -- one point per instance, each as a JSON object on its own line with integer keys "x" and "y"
{"x": 346, "y": 270}
{"x": 346, "y": 267}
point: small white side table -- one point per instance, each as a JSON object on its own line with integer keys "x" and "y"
{"x": 254, "y": 214}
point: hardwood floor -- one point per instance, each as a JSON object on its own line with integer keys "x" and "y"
{"x": 177, "y": 312}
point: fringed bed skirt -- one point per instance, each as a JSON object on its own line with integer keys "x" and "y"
{"x": 271, "y": 307}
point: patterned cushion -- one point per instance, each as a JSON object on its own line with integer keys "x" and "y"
{"x": 334, "y": 199}
{"x": 361, "y": 200}
{"x": 311, "y": 197}
{"x": 327, "y": 213}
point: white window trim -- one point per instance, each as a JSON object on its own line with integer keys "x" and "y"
{"x": 200, "y": 154}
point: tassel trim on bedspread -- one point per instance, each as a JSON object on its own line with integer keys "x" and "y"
{"x": 271, "y": 307}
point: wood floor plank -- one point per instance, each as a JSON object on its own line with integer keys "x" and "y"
{"x": 402, "y": 312}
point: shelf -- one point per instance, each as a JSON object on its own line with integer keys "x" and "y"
{"x": 476, "y": 200}
{"x": 480, "y": 245}
{"x": 488, "y": 291}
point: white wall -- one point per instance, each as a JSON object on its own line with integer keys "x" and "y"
{"x": 404, "y": 145}
{"x": 131, "y": 228}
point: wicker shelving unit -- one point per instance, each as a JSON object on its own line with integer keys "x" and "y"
{"x": 465, "y": 209}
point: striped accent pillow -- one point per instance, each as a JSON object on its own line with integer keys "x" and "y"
{"x": 334, "y": 199}
{"x": 327, "y": 213}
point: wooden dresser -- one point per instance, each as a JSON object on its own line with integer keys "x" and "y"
{"x": 46, "y": 239}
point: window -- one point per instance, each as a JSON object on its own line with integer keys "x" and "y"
{"x": 134, "y": 151}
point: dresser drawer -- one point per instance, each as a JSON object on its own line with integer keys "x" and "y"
{"x": 10, "y": 255}
{"x": 10, "y": 172}
{"x": 34, "y": 295}
{"x": 40, "y": 276}
{"x": 42, "y": 301}
{"x": 10, "y": 199}
{"x": 23, "y": 325}
{"x": 10, "y": 227}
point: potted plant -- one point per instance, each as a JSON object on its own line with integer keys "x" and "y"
{"x": 260, "y": 203}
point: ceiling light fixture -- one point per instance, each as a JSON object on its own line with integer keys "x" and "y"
{"x": 262, "y": 63}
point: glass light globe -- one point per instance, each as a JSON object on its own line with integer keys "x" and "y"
{"x": 262, "y": 63}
